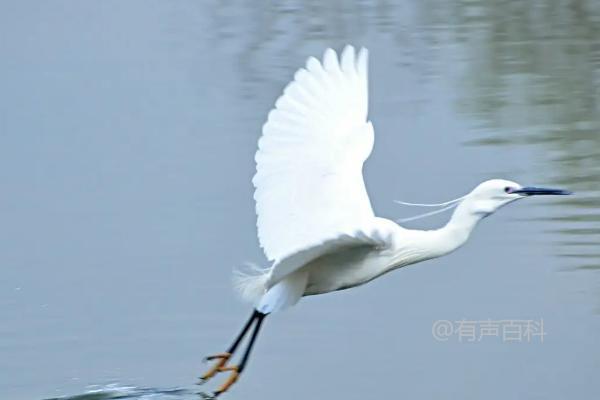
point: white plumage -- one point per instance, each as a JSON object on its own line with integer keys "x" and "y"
{"x": 315, "y": 221}
{"x": 309, "y": 163}
{"x": 310, "y": 195}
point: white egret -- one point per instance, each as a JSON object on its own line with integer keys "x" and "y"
{"x": 315, "y": 221}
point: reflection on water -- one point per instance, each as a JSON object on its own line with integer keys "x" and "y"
{"x": 536, "y": 83}
{"x": 287, "y": 31}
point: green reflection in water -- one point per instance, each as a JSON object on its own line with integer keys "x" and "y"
{"x": 533, "y": 79}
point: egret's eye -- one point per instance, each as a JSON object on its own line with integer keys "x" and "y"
{"x": 508, "y": 189}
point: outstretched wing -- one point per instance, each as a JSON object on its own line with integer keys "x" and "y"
{"x": 309, "y": 183}
{"x": 309, "y": 180}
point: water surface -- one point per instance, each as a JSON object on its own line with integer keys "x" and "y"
{"x": 127, "y": 134}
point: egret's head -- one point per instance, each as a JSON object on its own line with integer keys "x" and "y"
{"x": 491, "y": 195}
{"x": 484, "y": 200}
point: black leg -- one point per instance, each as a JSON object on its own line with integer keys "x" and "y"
{"x": 259, "y": 320}
{"x": 236, "y": 370}
{"x": 238, "y": 340}
{"x": 222, "y": 358}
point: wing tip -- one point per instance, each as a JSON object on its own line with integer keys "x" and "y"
{"x": 349, "y": 58}
{"x": 330, "y": 60}
{"x": 362, "y": 62}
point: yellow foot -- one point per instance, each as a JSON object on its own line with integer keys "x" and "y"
{"x": 233, "y": 377}
{"x": 222, "y": 359}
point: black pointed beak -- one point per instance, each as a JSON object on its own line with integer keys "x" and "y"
{"x": 537, "y": 191}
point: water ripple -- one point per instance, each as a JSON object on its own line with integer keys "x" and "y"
{"x": 116, "y": 391}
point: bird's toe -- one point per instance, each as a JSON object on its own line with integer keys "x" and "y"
{"x": 201, "y": 381}
{"x": 220, "y": 356}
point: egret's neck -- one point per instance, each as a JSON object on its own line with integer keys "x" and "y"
{"x": 459, "y": 228}
{"x": 416, "y": 245}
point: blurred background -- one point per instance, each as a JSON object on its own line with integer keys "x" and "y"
{"x": 127, "y": 136}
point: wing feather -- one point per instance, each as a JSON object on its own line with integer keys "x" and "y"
{"x": 375, "y": 237}
{"x": 310, "y": 195}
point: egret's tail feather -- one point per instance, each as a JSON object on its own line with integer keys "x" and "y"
{"x": 250, "y": 281}
{"x": 284, "y": 294}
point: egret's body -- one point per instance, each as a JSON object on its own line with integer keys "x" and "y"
{"x": 315, "y": 221}
{"x": 379, "y": 247}
{"x": 356, "y": 265}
